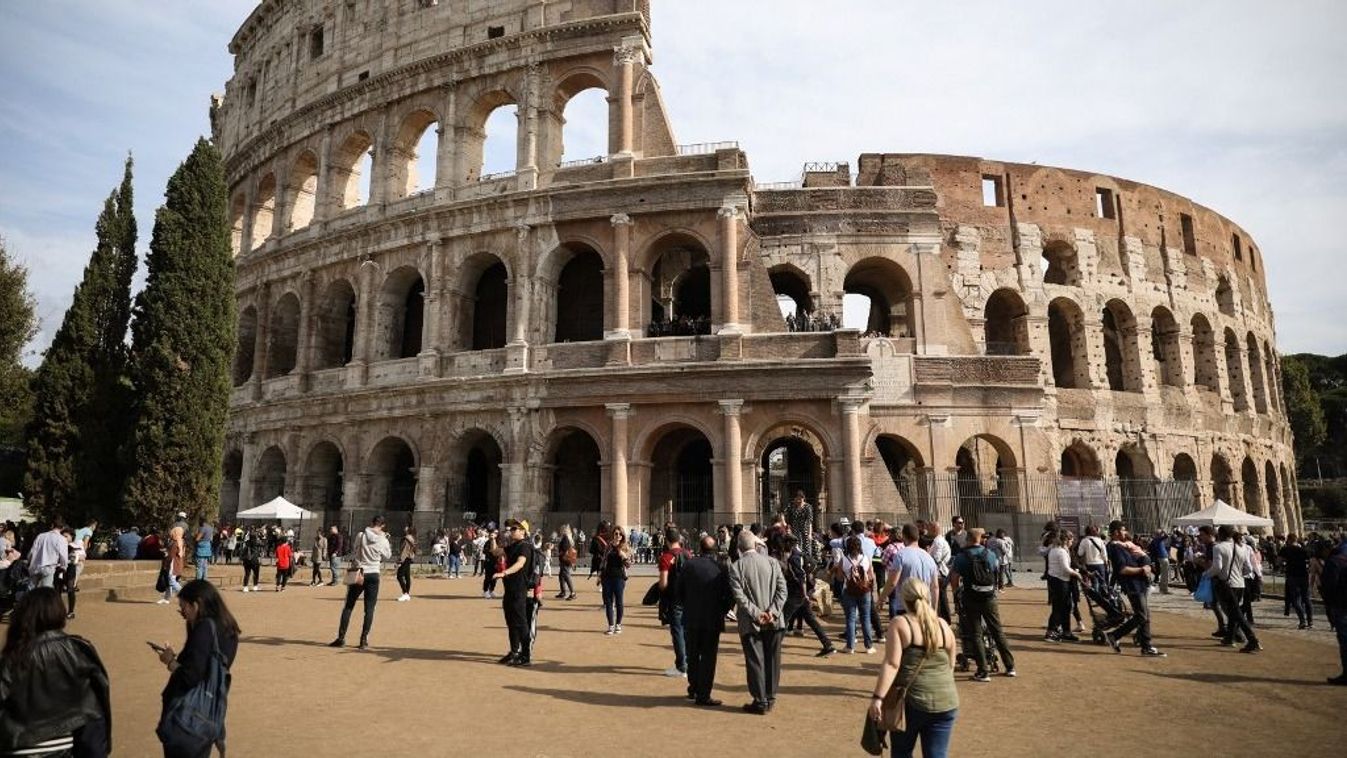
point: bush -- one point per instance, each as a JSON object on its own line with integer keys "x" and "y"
{"x": 1326, "y": 501}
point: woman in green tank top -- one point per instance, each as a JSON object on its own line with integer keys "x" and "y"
{"x": 920, "y": 654}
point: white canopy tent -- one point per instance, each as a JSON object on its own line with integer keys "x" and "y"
{"x": 277, "y": 509}
{"x": 1221, "y": 513}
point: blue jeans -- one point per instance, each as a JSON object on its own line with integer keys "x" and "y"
{"x": 934, "y": 729}
{"x": 455, "y": 564}
{"x": 173, "y": 587}
{"x": 857, "y": 608}
{"x": 613, "y": 589}
{"x": 680, "y": 644}
{"x": 202, "y": 564}
{"x": 334, "y": 563}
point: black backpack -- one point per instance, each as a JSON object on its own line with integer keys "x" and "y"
{"x": 981, "y": 575}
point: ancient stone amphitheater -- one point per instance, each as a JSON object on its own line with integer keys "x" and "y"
{"x": 649, "y": 333}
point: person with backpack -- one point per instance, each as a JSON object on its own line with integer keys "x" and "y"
{"x": 857, "y": 577}
{"x": 566, "y": 556}
{"x": 973, "y": 574}
{"x": 250, "y": 555}
{"x": 195, "y": 698}
{"x": 521, "y": 567}
{"x": 1333, "y": 589}
{"x": 670, "y": 610}
{"x": 785, "y": 548}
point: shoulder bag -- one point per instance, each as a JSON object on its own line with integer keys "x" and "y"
{"x": 894, "y": 708}
{"x": 354, "y": 576}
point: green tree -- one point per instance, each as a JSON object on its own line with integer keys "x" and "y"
{"x": 79, "y": 420}
{"x": 18, "y": 325}
{"x": 182, "y": 340}
{"x": 1303, "y": 408}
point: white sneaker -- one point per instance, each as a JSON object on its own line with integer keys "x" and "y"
{"x": 161, "y": 601}
{"x": 611, "y": 630}
{"x": 245, "y": 589}
{"x": 257, "y": 588}
{"x": 673, "y": 671}
{"x": 869, "y": 651}
{"x": 404, "y": 598}
{"x": 618, "y": 629}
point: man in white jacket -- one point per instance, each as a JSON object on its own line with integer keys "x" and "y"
{"x": 370, "y": 551}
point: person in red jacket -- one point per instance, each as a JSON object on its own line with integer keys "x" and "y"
{"x": 285, "y": 557}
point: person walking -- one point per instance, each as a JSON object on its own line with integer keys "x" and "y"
{"x": 520, "y": 567}
{"x": 704, "y": 593}
{"x": 1093, "y": 555}
{"x": 54, "y": 696}
{"x": 371, "y": 549}
{"x": 1333, "y": 590}
{"x": 49, "y": 553}
{"x": 759, "y": 589}
{"x": 785, "y": 548}
{"x": 566, "y": 556}
{"x": 907, "y": 561}
{"x": 1158, "y": 550}
{"x": 671, "y": 560}
{"x": 1060, "y": 575}
{"x": 941, "y": 552}
{"x": 250, "y": 555}
{"x": 336, "y": 550}
{"x": 205, "y": 545}
{"x": 231, "y": 543}
{"x": 285, "y": 563}
{"x": 211, "y": 630}
{"x": 1296, "y": 562}
{"x": 616, "y": 559}
{"x": 1132, "y": 572}
{"x": 318, "y": 557}
{"x": 919, "y": 656}
{"x": 406, "y": 556}
{"x": 172, "y": 563}
{"x": 856, "y": 576}
{"x": 973, "y": 573}
{"x": 1229, "y": 559}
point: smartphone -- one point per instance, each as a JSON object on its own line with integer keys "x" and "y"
{"x": 157, "y": 648}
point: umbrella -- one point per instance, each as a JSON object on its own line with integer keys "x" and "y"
{"x": 1220, "y": 513}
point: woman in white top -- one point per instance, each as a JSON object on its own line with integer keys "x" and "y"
{"x": 1060, "y": 575}
{"x": 855, "y": 571}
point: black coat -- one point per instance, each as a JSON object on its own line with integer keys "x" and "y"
{"x": 61, "y": 687}
{"x": 704, "y": 592}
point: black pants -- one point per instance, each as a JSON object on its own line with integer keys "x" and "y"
{"x": 703, "y": 645}
{"x": 254, "y": 569}
{"x": 515, "y": 606}
{"x": 317, "y": 577}
{"x": 802, "y": 612}
{"x": 370, "y": 589}
{"x": 566, "y": 586}
{"x": 1297, "y": 598}
{"x": 942, "y": 607}
{"x": 1230, "y": 599}
{"x": 1059, "y": 594}
{"x": 977, "y": 611}
{"x": 405, "y": 576}
{"x": 282, "y": 576}
{"x": 762, "y": 658}
{"x": 1139, "y": 621}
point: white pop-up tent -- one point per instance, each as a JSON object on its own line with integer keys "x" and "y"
{"x": 1221, "y": 513}
{"x": 277, "y": 509}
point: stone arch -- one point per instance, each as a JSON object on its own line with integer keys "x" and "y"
{"x": 681, "y": 472}
{"x": 1137, "y": 486}
{"x": 302, "y": 191}
{"x": 1060, "y": 264}
{"x": 283, "y": 336}
{"x": 1222, "y": 479}
{"x": 1252, "y": 489}
{"x": 576, "y": 482}
{"x": 486, "y": 302}
{"x": 905, "y": 470}
{"x": 1274, "y": 498}
{"x": 1122, "y": 359}
{"x": 486, "y": 152}
{"x": 584, "y": 92}
{"x": 571, "y": 281}
{"x": 1006, "y": 323}
{"x": 792, "y": 289}
{"x": 351, "y": 172}
{"x": 415, "y": 151}
{"x": 1234, "y": 370}
{"x": 1165, "y": 347}
{"x": 400, "y": 315}
{"x": 231, "y": 469}
{"x": 324, "y": 473}
{"x": 889, "y": 290}
{"x": 986, "y": 477}
{"x": 1256, "y": 377}
{"x": 392, "y": 468}
{"x": 1225, "y": 295}
{"x": 269, "y": 479}
{"x": 1066, "y": 335}
{"x": 475, "y": 478}
{"x": 336, "y": 325}
{"x": 264, "y": 211}
{"x": 1206, "y": 374}
{"x": 1185, "y": 470}
{"x": 679, "y": 300}
{"x": 1080, "y": 461}
{"x": 238, "y": 209}
{"x": 246, "y": 346}
{"x": 790, "y": 456}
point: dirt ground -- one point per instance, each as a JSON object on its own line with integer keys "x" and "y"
{"x": 430, "y": 686}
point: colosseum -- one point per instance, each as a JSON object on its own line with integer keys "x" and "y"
{"x": 650, "y": 334}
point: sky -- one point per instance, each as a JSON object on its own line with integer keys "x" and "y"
{"x": 1236, "y": 104}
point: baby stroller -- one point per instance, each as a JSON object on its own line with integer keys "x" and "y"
{"x": 963, "y": 661}
{"x": 1105, "y": 605}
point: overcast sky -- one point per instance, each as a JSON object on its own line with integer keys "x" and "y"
{"x": 1237, "y": 104}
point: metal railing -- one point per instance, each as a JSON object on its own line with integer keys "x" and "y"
{"x": 596, "y": 160}
{"x": 497, "y": 175}
{"x": 826, "y": 167}
{"x": 769, "y": 186}
{"x": 706, "y": 148}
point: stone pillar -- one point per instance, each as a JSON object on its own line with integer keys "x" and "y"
{"x": 728, "y": 241}
{"x": 624, "y": 58}
{"x": 619, "y": 320}
{"x": 527, "y": 163}
{"x": 261, "y": 345}
{"x": 304, "y": 356}
{"x": 445, "y": 152}
{"x": 379, "y": 163}
{"x": 429, "y": 357}
{"x": 249, "y": 452}
{"x": 928, "y": 317}
{"x": 322, "y": 194}
{"x": 366, "y": 312}
{"x": 733, "y": 457}
{"x": 851, "y": 450}
{"x": 516, "y": 359}
{"x": 617, "y": 466}
{"x": 943, "y": 495}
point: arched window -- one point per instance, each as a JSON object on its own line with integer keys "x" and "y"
{"x": 1234, "y": 370}
{"x": 264, "y": 211}
{"x": 237, "y": 210}
{"x": 582, "y": 102}
{"x": 1225, "y": 295}
{"x": 493, "y": 148}
{"x": 1165, "y": 347}
{"x": 352, "y": 171}
{"x": 577, "y": 481}
{"x": 325, "y": 473}
{"x": 1206, "y": 374}
{"x": 393, "y": 475}
{"x": 579, "y": 298}
{"x": 1079, "y": 461}
{"x": 914, "y": 488}
{"x": 1253, "y": 489}
{"x": 791, "y": 287}
{"x": 269, "y": 481}
{"x": 415, "y": 154}
{"x": 1185, "y": 471}
{"x": 303, "y": 191}
{"x": 1060, "y": 265}
{"x": 401, "y": 314}
{"x": 243, "y": 353}
{"x": 1121, "y": 356}
{"x": 283, "y": 336}
{"x": 336, "y": 326}
{"x": 1066, "y": 334}
{"x": 1256, "y": 377}
{"x": 680, "y": 288}
{"x": 889, "y": 291}
{"x": 681, "y": 473}
{"x": 481, "y": 478}
{"x": 489, "y": 305}
{"x": 1006, "y": 324}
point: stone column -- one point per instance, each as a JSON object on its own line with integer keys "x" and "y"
{"x": 624, "y": 58}
{"x": 928, "y": 317}
{"x": 429, "y": 357}
{"x": 445, "y": 152}
{"x": 322, "y": 194}
{"x": 619, "y": 321}
{"x": 261, "y": 345}
{"x": 517, "y": 356}
{"x": 729, "y": 270}
{"x": 366, "y": 311}
{"x": 733, "y": 457}
{"x": 851, "y": 449}
{"x": 527, "y": 163}
{"x": 304, "y": 358}
{"x": 617, "y": 466}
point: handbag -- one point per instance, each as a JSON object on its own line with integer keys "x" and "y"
{"x": 893, "y": 711}
{"x": 1203, "y": 593}
{"x": 354, "y": 576}
{"x": 195, "y": 721}
{"x": 568, "y": 558}
{"x": 873, "y": 741}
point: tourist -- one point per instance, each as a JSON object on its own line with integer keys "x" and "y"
{"x": 1253, "y": 579}
{"x": 370, "y": 550}
{"x": 799, "y": 515}
{"x": 520, "y": 560}
{"x": 1296, "y": 563}
{"x": 54, "y": 697}
{"x": 50, "y": 553}
{"x": 1060, "y": 575}
{"x": 205, "y": 536}
{"x": 797, "y": 606}
{"x": 171, "y": 568}
{"x": 127, "y": 543}
{"x": 1158, "y": 549}
{"x": 336, "y": 550}
{"x": 1132, "y": 572}
{"x": 74, "y": 567}
{"x": 1093, "y": 555}
{"x": 406, "y": 556}
{"x": 285, "y": 563}
{"x": 598, "y": 546}
{"x": 957, "y": 537}
{"x": 566, "y": 556}
{"x": 1333, "y": 590}
{"x": 671, "y": 560}
{"x": 907, "y": 561}
{"x": 704, "y": 593}
{"x": 920, "y": 657}
{"x": 317, "y": 557}
{"x": 1229, "y": 558}
{"x": 759, "y": 589}
{"x": 940, "y": 551}
{"x": 439, "y": 551}
{"x": 493, "y": 556}
{"x": 857, "y": 577}
{"x": 210, "y": 628}
{"x": 612, "y": 570}
{"x": 250, "y": 555}
{"x": 973, "y": 573}
{"x": 455, "y": 554}
{"x": 231, "y": 544}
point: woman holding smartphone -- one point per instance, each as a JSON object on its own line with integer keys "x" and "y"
{"x": 210, "y": 626}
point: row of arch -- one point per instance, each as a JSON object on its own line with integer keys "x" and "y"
{"x": 1060, "y": 265}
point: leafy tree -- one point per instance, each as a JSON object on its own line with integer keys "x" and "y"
{"x": 1303, "y": 408}
{"x": 18, "y": 325}
{"x": 79, "y": 424}
{"x": 182, "y": 341}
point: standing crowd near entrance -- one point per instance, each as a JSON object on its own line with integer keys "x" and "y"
{"x": 928, "y": 596}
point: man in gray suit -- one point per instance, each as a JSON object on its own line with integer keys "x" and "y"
{"x": 759, "y": 588}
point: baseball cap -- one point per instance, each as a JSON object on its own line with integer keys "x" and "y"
{"x": 844, "y": 521}
{"x": 182, "y": 514}
{"x": 514, "y": 524}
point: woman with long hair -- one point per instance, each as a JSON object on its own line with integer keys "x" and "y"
{"x": 53, "y": 687}
{"x": 405, "y": 558}
{"x": 210, "y": 628}
{"x": 856, "y": 572}
{"x": 250, "y": 555}
{"x": 492, "y": 554}
{"x": 1060, "y": 577}
{"x": 565, "y": 584}
{"x": 613, "y": 578}
{"x": 172, "y": 563}
{"x": 919, "y": 655}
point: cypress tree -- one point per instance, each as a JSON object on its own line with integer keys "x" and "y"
{"x": 18, "y": 324}
{"x": 80, "y": 407}
{"x": 182, "y": 341}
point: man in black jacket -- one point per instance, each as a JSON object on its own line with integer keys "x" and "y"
{"x": 704, "y": 593}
